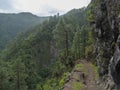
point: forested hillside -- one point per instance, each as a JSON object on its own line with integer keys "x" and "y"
{"x": 42, "y": 57}
{"x": 12, "y": 24}
{"x": 79, "y": 50}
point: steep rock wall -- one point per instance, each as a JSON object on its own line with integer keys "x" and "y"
{"x": 106, "y": 26}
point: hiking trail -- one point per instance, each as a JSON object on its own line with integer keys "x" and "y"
{"x": 83, "y": 77}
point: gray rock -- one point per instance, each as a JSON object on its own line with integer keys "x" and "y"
{"x": 107, "y": 48}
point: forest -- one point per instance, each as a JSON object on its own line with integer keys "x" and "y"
{"x": 44, "y": 53}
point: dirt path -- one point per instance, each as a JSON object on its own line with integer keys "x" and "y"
{"x": 91, "y": 80}
{"x": 85, "y": 76}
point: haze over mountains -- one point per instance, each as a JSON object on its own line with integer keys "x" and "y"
{"x": 44, "y": 52}
{"x": 13, "y": 24}
{"x": 60, "y": 52}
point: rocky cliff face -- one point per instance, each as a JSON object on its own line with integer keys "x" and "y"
{"x": 106, "y": 26}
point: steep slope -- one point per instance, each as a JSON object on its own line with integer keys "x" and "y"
{"x": 12, "y": 24}
{"x": 29, "y": 52}
{"x": 80, "y": 15}
{"x": 43, "y": 33}
{"x": 105, "y": 20}
{"x": 35, "y": 58}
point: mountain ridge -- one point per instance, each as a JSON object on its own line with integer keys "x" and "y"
{"x": 13, "y": 24}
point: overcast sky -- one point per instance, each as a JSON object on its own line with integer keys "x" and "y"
{"x": 41, "y": 7}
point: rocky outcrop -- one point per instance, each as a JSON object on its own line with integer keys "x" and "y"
{"x": 106, "y": 26}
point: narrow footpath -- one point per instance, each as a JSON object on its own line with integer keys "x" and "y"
{"x": 83, "y": 77}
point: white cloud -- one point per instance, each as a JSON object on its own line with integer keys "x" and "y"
{"x": 46, "y": 7}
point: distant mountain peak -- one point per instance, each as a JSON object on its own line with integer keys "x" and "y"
{"x": 27, "y": 13}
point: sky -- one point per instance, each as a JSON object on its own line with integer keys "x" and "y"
{"x": 41, "y": 7}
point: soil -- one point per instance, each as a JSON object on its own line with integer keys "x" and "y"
{"x": 89, "y": 81}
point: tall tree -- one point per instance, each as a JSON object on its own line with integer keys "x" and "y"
{"x": 61, "y": 36}
{"x": 84, "y": 39}
{"x": 76, "y": 45}
{"x": 20, "y": 75}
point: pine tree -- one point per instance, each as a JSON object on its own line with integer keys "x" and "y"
{"x": 61, "y": 36}
{"x": 76, "y": 46}
{"x": 20, "y": 75}
{"x": 84, "y": 39}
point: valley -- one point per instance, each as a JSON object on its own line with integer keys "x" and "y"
{"x": 79, "y": 50}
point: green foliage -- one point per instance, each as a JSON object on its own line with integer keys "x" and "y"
{"x": 58, "y": 68}
{"x": 77, "y": 86}
{"x": 63, "y": 79}
{"x": 13, "y": 24}
{"x": 90, "y": 14}
{"x": 4, "y": 72}
{"x": 19, "y": 75}
{"x": 76, "y": 17}
{"x": 90, "y": 44}
{"x": 40, "y": 58}
{"x": 82, "y": 68}
{"x": 49, "y": 85}
{"x": 61, "y": 35}
{"x": 27, "y": 54}
{"x": 76, "y": 45}
{"x": 56, "y": 77}
{"x": 39, "y": 87}
{"x": 82, "y": 43}
{"x": 95, "y": 68}
{"x": 91, "y": 9}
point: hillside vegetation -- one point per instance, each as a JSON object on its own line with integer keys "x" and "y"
{"x": 48, "y": 55}
{"x": 42, "y": 57}
{"x": 13, "y": 24}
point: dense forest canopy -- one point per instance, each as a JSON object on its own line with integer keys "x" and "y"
{"x": 13, "y": 24}
{"x": 38, "y": 58}
{"x": 79, "y": 50}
